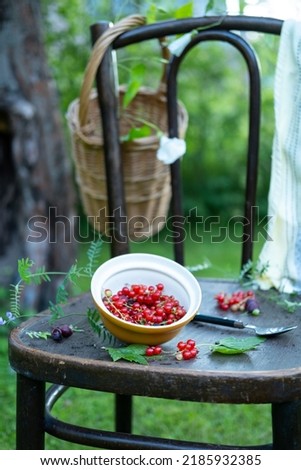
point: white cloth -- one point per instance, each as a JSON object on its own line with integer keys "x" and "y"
{"x": 170, "y": 149}
{"x": 282, "y": 253}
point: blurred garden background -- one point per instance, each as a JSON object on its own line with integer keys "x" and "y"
{"x": 213, "y": 175}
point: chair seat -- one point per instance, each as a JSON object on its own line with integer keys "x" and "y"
{"x": 269, "y": 373}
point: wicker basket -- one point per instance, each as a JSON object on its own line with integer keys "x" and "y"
{"x": 146, "y": 179}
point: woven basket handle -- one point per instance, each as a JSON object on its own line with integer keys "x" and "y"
{"x": 99, "y": 49}
{"x": 165, "y": 56}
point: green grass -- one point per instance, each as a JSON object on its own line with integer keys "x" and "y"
{"x": 229, "y": 424}
{"x": 223, "y": 257}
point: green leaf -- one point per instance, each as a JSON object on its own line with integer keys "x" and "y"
{"x": 93, "y": 255}
{"x": 131, "y": 353}
{"x": 137, "y": 133}
{"x": 56, "y": 310}
{"x": 134, "y": 84}
{"x": 291, "y": 306}
{"x": 73, "y": 274}
{"x": 40, "y": 276}
{"x": 184, "y": 11}
{"x": 99, "y": 328}
{"x": 216, "y": 9}
{"x": 210, "y": 5}
{"x": 24, "y": 269}
{"x": 62, "y": 294}
{"x": 15, "y": 299}
{"x": 38, "y": 334}
{"x": 236, "y": 345}
{"x": 24, "y": 266}
{"x": 151, "y": 13}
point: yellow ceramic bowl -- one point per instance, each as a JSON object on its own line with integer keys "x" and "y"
{"x": 150, "y": 270}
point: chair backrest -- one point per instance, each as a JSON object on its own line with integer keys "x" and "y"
{"x": 224, "y": 29}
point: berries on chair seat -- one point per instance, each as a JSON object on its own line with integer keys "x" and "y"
{"x": 239, "y": 301}
{"x": 186, "y": 350}
{"x": 56, "y": 334}
{"x": 66, "y": 331}
{"x": 60, "y": 332}
{"x": 252, "y": 306}
{"x": 153, "y": 350}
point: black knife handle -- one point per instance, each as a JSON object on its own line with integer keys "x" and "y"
{"x": 219, "y": 321}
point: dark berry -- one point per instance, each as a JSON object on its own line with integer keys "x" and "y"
{"x": 66, "y": 331}
{"x": 56, "y": 334}
{"x": 252, "y": 306}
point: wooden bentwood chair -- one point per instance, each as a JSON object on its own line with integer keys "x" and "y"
{"x": 271, "y": 374}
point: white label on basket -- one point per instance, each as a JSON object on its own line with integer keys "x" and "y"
{"x": 170, "y": 149}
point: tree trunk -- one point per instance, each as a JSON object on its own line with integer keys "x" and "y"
{"x": 35, "y": 178}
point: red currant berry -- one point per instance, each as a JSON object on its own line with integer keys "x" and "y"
{"x": 193, "y": 353}
{"x": 157, "y": 350}
{"x": 220, "y": 297}
{"x": 224, "y": 306}
{"x": 186, "y": 355}
{"x": 181, "y": 346}
{"x": 149, "y": 351}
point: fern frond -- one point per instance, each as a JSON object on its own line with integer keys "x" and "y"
{"x": 74, "y": 274}
{"x": 38, "y": 334}
{"x": 99, "y": 328}
{"x": 24, "y": 266}
{"x": 39, "y": 276}
{"x": 93, "y": 255}
{"x": 15, "y": 292}
{"x": 56, "y": 311}
{"x": 62, "y": 294}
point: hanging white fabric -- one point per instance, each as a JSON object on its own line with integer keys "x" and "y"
{"x": 282, "y": 253}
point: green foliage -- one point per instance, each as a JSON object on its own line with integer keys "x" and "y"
{"x": 137, "y": 74}
{"x": 131, "y": 353}
{"x": 15, "y": 299}
{"x": 230, "y": 346}
{"x": 251, "y": 272}
{"x": 213, "y": 87}
{"x": 38, "y": 334}
{"x": 99, "y": 328}
{"x": 26, "y": 274}
{"x": 166, "y": 10}
{"x": 93, "y": 255}
{"x": 70, "y": 278}
{"x": 137, "y": 133}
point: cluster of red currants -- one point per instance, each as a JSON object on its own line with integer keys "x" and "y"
{"x": 153, "y": 350}
{"x": 239, "y": 301}
{"x": 186, "y": 350}
{"x": 144, "y": 305}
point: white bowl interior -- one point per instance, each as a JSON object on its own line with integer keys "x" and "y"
{"x": 150, "y": 270}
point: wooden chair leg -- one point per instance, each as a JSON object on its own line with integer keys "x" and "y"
{"x": 30, "y": 434}
{"x": 286, "y": 419}
{"x": 123, "y": 413}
